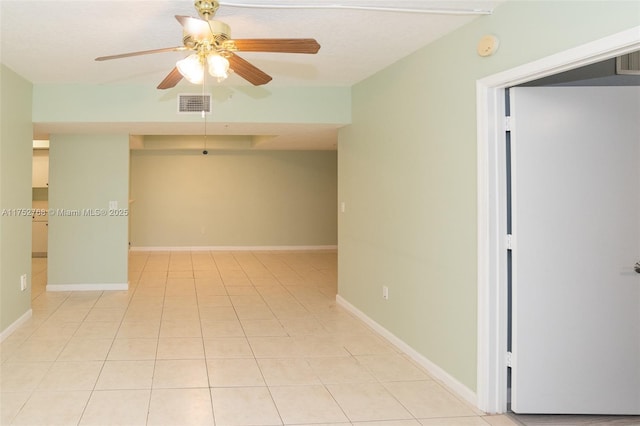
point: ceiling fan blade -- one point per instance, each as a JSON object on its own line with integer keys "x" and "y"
{"x": 247, "y": 71}
{"x": 142, "y": 52}
{"x": 171, "y": 79}
{"x": 281, "y": 45}
{"x": 195, "y": 27}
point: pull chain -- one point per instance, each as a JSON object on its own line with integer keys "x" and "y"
{"x": 204, "y": 115}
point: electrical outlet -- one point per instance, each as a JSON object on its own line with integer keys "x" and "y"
{"x": 385, "y": 292}
{"x": 23, "y": 282}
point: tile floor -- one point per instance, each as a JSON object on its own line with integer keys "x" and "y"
{"x": 214, "y": 338}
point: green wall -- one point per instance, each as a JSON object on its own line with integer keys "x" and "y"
{"x": 233, "y": 198}
{"x": 407, "y": 174}
{"x": 67, "y": 103}
{"x": 87, "y": 244}
{"x": 15, "y": 193}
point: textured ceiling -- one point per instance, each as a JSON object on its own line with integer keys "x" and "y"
{"x": 57, "y": 41}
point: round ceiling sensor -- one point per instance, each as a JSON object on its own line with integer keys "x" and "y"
{"x": 488, "y": 45}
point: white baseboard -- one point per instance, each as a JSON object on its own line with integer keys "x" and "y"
{"x": 17, "y": 323}
{"x": 434, "y": 370}
{"x": 88, "y": 287}
{"x": 237, "y": 248}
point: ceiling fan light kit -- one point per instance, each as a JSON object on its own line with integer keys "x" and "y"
{"x": 215, "y": 51}
{"x": 191, "y": 68}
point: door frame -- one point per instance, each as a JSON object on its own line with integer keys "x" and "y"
{"x": 491, "y": 390}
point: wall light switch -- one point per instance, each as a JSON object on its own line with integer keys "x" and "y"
{"x": 23, "y": 282}
{"x": 343, "y": 207}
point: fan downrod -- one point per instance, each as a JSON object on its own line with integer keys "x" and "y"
{"x": 206, "y": 8}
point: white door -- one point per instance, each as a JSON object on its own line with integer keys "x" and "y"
{"x": 576, "y": 238}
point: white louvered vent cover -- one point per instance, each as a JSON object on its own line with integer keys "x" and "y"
{"x": 628, "y": 64}
{"x": 194, "y": 104}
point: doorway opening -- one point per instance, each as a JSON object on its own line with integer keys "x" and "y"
{"x": 492, "y": 204}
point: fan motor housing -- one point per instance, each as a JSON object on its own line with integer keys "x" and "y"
{"x": 220, "y": 32}
{"x": 206, "y": 9}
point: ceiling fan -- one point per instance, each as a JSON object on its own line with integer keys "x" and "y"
{"x": 212, "y": 47}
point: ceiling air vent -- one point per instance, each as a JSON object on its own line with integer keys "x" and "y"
{"x": 628, "y": 64}
{"x": 194, "y": 104}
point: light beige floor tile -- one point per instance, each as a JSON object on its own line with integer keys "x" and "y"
{"x": 293, "y": 312}
{"x": 180, "y": 290}
{"x": 390, "y": 423}
{"x": 294, "y": 371}
{"x": 182, "y": 314}
{"x": 230, "y": 372}
{"x": 275, "y": 347}
{"x": 266, "y": 283}
{"x": 205, "y": 288}
{"x": 117, "y": 407}
{"x": 114, "y": 299}
{"x": 213, "y": 300}
{"x": 56, "y": 330}
{"x": 53, "y": 408}
{"x": 184, "y": 407}
{"x": 21, "y": 377}
{"x": 68, "y": 376}
{"x": 217, "y": 313}
{"x": 302, "y": 327}
{"x": 368, "y": 402}
{"x": 269, "y": 286}
{"x": 306, "y": 404}
{"x": 98, "y": 330}
{"x": 186, "y": 273}
{"x": 244, "y": 291}
{"x": 143, "y": 315}
{"x": 208, "y": 274}
{"x": 105, "y": 314}
{"x": 348, "y": 326}
{"x": 180, "y": 348}
{"x": 126, "y": 375}
{"x": 133, "y": 349}
{"x": 70, "y": 314}
{"x": 37, "y": 350}
{"x": 499, "y": 420}
{"x": 326, "y": 424}
{"x": 174, "y": 374}
{"x": 81, "y": 349}
{"x": 149, "y": 287}
{"x": 392, "y": 367}
{"x": 428, "y": 399}
{"x": 222, "y": 329}
{"x": 244, "y": 406}
{"x": 455, "y": 421}
{"x": 321, "y": 346}
{"x": 246, "y": 299}
{"x": 263, "y": 328}
{"x": 236, "y": 281}
{"x": 227, "y": 347}
{"x": 180, "y": 328}
{"x": 340, "y": 370}
{"x": 139, "y": 329}
{"x": 253, "y": 312}
{"x": 10, "y": 404}
{"x": 367, "y": 344}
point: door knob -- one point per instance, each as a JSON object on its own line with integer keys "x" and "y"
{"x": 636, "y": 267}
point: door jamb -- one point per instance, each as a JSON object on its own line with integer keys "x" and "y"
{"x": 491, "y": 203}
